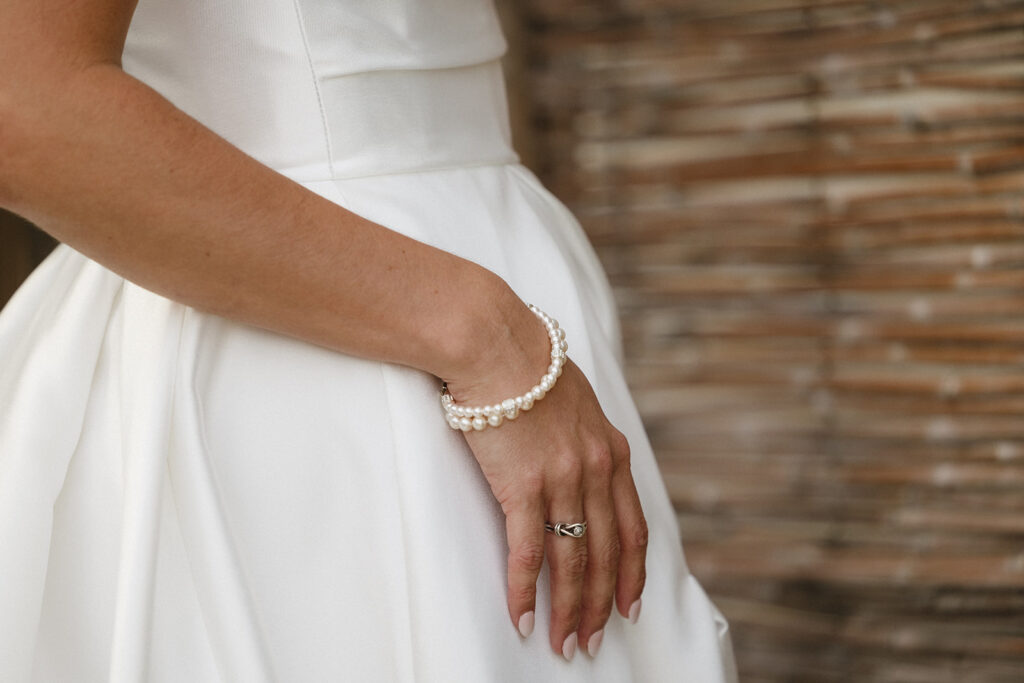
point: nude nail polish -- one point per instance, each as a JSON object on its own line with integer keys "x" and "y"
{"x": 634, "y": 611}
{"x": 594, "y": 644}
{"x": 569, "y": 646}
{"x": 526, "y": 624}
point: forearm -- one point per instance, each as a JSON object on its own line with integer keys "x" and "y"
{"x": 107, "y": 165}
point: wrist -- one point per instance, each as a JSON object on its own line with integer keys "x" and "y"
{"x": 504, "y": 348}
{"x": 477, "y": 417}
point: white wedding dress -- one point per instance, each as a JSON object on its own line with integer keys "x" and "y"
{"x": 184, "y": 498}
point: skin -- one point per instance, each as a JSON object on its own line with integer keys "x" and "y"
{"x": 158, "y": 198}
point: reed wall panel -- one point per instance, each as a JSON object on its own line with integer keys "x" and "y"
{"x": 812, "y": 213}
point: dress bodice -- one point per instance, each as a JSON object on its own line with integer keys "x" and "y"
{"x": 321, "y": 88}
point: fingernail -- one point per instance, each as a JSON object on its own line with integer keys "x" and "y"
{"x": 569, "y": 646}
{"x": 526, "y": 624}
{"x": 634, "y": 611}
{"x": 594, "y": 644}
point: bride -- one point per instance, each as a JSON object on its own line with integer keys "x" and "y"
{"x": 238, "y": 437}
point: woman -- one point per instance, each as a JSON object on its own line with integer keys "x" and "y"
{"x": 223, "y": 451}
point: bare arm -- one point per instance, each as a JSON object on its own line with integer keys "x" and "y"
{"x": 107, "y": 165}
{"x": 155, "y": 196}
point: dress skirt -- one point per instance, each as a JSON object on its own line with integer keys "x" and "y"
{"x": 184, "y": 497}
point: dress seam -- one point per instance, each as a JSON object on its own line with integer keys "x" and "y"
{"x": 410, "y": 642}
{"x": 316, "y": 83}
{"x": 497, "y": 163}
{"x": 206, "y": 455}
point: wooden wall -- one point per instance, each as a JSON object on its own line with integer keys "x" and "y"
{"x": 813, "y": 216}
{"x": 22, "y": 247}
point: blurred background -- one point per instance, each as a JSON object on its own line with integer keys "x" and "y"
{"x": 812, "y": 212}
{"x": 813, "y": 216}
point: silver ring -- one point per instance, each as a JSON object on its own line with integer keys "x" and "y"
{"x": 565, "y": 529}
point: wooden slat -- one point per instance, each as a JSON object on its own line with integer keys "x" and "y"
{"x": 812, "y": 213}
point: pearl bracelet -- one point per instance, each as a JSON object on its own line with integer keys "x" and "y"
{"x": 480, "y": 417}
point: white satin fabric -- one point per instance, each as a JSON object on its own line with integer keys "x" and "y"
{"x": 187, "y": 498}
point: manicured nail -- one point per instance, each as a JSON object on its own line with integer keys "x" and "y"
{"x": 634, "y": 611}
{"x": 569, "y": 646}
{"x": 526, "y": 624}
{"x": 594, "y": 644}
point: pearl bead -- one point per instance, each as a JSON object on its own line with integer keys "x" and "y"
{"x": 479, "y": 417}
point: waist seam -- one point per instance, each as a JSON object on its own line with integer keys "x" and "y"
{"x": 512, "y": 160}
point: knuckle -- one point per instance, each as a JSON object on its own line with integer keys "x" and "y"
{"x": 641, "y": 577}
{"x": 523, "y": 594}
{"x": 531, "y": 486}
{"x": 568, "y": 470}
{"x": 532, "y": 479}
{"x": 512, "y": 502}
{"x": 638, "y": 535}
{"x": 521, "y": 494}
{"x": 600, "y": 461}
{"x": 608, "y": 555}
{"x": 621, "y": 444}
{"x": 574, "y": 565}
{"x": 526, "y": 557}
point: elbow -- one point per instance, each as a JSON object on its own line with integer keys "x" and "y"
{"x": 42, "y": 111}
{"x": 14, "y": 118}
{"x": 26, "y": 111}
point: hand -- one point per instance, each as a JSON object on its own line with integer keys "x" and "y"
{"x": 561, "y": 461}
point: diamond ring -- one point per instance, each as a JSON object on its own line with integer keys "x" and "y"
{"x": 565, "y": 529}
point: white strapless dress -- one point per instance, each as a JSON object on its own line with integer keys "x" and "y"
{"x": 184, "y": 498}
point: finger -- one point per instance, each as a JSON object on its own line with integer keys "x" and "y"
{"x": 567, "y": 558}
{"x": 632, "y": 543}
{"x": 524, "y": 526}
{"x": 602, "y": 550}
